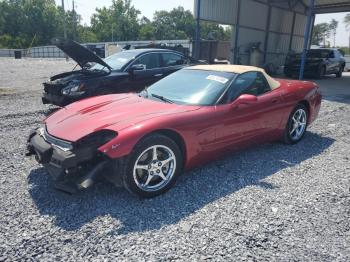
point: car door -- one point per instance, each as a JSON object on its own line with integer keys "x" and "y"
{"x": 253, "y": 122}
{"x": 172, "y": 62}
{"x": 332, "y": 63}
{"x": 151, "y": 73}
{"x": 339, "y": 60}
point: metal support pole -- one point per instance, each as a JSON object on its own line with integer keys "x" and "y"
{"x": 198, "y": 31}
{"x": 306, "y": 37}
{"x": 236, "y": 50}
{"x": 267, "y": 29}
{"x": 64, "y": 21}
{"x": 292, "y": 32}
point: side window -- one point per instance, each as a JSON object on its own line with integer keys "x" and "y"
{"x": 338, "y": 54}
{"x": 258, "y": 87}
{"x": 331, "y": 54}
{"x": 151, "y": 61}
{"x": 252, "y": 83}
{"x": 171, "y": 59}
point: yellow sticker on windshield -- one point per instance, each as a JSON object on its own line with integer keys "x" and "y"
{"x": 219, "y": 79}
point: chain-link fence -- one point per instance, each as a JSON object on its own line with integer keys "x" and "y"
{"x": 101, "y": 49}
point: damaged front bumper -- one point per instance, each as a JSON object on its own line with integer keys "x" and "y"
{"x": 72, "y": 169}
{"x": 58, "y": 100}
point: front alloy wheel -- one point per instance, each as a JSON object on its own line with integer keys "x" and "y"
{"x": 296, "y": 125}
{"x": 153, "y": 166}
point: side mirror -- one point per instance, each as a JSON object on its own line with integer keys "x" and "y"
{"x": 244, "y": 99}
{"x": 137, "y": 67}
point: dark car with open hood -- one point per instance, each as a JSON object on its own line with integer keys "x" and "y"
{"x": 127, "y": 71}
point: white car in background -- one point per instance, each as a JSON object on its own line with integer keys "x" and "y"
{"x": 347, "y": 63}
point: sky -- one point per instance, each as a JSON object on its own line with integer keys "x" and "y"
{"x": 342, "y": 38}
{"x": 147, "y": 7}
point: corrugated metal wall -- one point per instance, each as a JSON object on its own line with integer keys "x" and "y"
{"x": 214, "y": 10}
{"x": 258, "y": 21}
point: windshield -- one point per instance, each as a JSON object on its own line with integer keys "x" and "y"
{"x": 116, "y": 61}
{"x": 192, "y": 87}
{"x": 315, "y": 53}
{"x": 318, "y": 53}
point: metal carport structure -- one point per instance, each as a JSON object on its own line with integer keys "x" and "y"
{"x": 279, "y": 25}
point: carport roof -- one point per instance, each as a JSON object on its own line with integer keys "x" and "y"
{"x": 329, "y": 6}
{"x": 321, "y": 6}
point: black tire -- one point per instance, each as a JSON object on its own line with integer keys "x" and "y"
{"x": 287, "y": 137}
{"x": 129, "y": 181}
{"x": 340, "y": 72}
{"x": 321, "y": 72}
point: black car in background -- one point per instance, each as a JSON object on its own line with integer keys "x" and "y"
{"x": 127, "y": 71}
{"x": 319, "y": 62}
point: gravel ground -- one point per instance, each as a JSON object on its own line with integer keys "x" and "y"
{"x": 270, "y": 203}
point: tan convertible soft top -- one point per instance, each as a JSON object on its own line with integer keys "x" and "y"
{"x": 238, "y": 69}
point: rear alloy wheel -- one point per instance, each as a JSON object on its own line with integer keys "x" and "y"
{"x": 340, "y": 72}
{"x": 297, "y": 124}
{"x": 153, "y": 167}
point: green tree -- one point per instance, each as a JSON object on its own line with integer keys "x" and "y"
{"x": 347, "y": 21}
{"x": 86, "y": 35}
{"x": 320, "y": 34}
{"x": 333, "y": 25}
{"x": 347, "y": 25}
{"x": 146, "y": 29}
{"x": 175, "y": 24}
{"x": 215, "y": 31}
{"x": 26, "y": 22}
{"x": 119, "y": 20}
{"x": 180, "y": 24}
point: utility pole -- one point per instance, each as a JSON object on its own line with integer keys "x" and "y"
{"x": 64, "y": 21}
{"x": 198, "y": 31}
{"x": 112, "y": 33}
{"x": 74, "y": 23}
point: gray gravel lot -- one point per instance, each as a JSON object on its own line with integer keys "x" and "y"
{"x": 269, "y": 203}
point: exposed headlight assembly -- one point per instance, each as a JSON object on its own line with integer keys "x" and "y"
{"x": 54, "y": 141}
{"x": 75, "y": 88}
{"x": 96, "y": 139}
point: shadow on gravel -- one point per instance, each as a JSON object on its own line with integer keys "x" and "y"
{"x": 192, "y": 192}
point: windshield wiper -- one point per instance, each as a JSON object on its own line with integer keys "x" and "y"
{"x": 163, "y": 98}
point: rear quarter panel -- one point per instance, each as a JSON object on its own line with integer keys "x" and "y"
{"x": 294, "y": 92}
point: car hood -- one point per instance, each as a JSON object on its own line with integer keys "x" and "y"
{"x": 114, "y": 112}
{"x": 79, "y": 53}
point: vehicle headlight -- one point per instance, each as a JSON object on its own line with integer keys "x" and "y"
{"x": 96, "y": 139}
{"x": 54, "y": 141}
{"x": 75, "y": 88}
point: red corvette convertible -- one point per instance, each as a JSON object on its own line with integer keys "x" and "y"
{"x": 144, "y": 141}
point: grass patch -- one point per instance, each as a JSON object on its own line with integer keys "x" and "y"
{"x": 6, "y": 91}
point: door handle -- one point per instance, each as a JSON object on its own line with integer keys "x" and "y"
{"x": 158, "y": 75}
{"x": 274, "y": 101}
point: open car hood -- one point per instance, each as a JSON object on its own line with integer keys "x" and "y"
{"x": 79, "y": 53}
